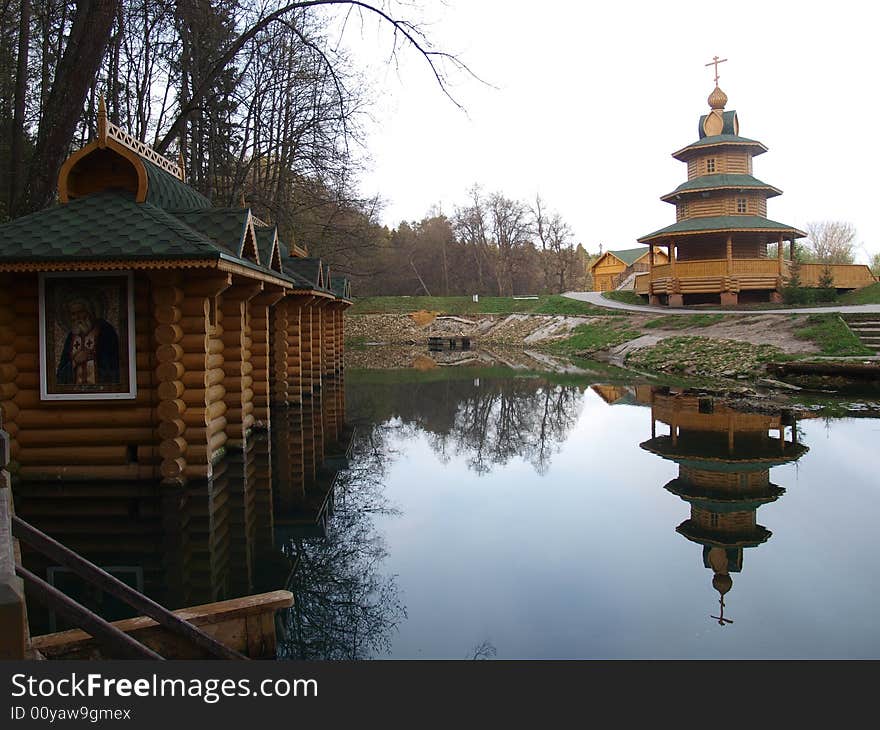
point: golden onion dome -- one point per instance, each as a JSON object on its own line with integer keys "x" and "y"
{"x": 717, "y": 99}
{"x": 722, "y": 583}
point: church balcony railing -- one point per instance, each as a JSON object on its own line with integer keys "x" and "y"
{"x": 717, "y": 267}
{"x": 764, "y": 266}
{"x": 846, "y": 276}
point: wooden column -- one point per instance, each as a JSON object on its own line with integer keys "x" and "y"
{"x": 729, "y": 245}
{"x": 340, "y": 339}
{"x": 294, "y": 349}
{"x": 329, "y": 345}
{"x": 260, "y": 358}
{"x": 278, "y": 386}
{"x": 317, "y": 380}
{"x": 308, "y": 391}
{"x": 340, "y": 407}
{"x": 791, "y": 246}
{"x": 237, "y": 364}
{"x": 779, "y": 254}
{"x": 328, "y": 339}
{"x": 204, "y": 392}
{"x": 295, "y": 462}
{"x": 675, "y": 297}
{"x": 170, "y": 369}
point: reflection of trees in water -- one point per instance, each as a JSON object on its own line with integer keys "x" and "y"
{"x": 504, "y": 419}
{"x": 487, "y": 421}
{"x": 344, "y": 608}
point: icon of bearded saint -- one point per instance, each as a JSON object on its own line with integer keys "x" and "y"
{"x": 91, "y": 350}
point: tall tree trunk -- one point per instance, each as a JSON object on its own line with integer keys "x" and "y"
{"x": 74, "y": 76}
{"x": 15, "y": 153}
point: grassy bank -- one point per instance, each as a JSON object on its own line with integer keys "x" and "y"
{"x": 867, "y": 295}
{"x": 544, "y": 304}
{"x": 586, "y": 339}
{"x": 704, "y": 356}
{"x": 831, "y": 335}
{"x": 624, "y": 296}
{"x": 683, "y": 321}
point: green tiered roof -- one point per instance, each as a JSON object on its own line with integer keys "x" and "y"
{"x": 717, "y": 140}
{"x": 720, "y": 182}
{"x": 708, "y": 224}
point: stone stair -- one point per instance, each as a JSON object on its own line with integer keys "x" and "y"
{"x": 868, "y": 331}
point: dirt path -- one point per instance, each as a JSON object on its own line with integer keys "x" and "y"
{"x": 596, "y": 298}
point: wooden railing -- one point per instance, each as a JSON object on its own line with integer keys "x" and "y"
{"x": 846, "y": 276}
{"x": 116, "y": 642}
{"x": 760, "y": 267}
{"x": 13, "y": 616}
{"x": 686, "y": 269}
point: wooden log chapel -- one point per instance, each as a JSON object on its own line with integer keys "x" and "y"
{"x": 143, "y": 332}
{"x": 149, "y": 337}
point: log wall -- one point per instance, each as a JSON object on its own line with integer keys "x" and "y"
{"x": 212, "y": 353}
{"x": 70, "y": 439}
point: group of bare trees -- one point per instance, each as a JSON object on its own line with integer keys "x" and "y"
{"x": 257, "y": 96}
{"x": 831, "y": 242}
{"x": 492, "y": 244}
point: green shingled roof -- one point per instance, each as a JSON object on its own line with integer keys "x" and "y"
{"x": 719, "y": 139}
{"x": 722, "y": 223}
{"x": 225, "y": 226}
{"x": 100, "y": 227}
{"x": 629, "y": 255}
{"x": 175, "y": 222}
{"x": 340, "y": 286}
{"x": 168, "y": 192}
{"x": 308, "y": 269}
{"x": 265, "y": 242}
{"x": 729, "y": 181}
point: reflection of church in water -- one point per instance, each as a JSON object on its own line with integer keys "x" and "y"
{"x": 724, "y": 458}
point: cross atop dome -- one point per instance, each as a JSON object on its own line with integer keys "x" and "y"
{"x": 717, "y": 99}
{"x": 714, "y": 62}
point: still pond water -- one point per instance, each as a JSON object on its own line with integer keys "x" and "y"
{"x": 486, "y": 515}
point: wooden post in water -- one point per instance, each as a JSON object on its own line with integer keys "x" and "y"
{"x": 13, "y": 615}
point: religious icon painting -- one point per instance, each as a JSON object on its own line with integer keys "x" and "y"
{"x": 87, "y": 336}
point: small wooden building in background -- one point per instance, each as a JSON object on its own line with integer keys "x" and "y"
{"x": 613, "y": 267}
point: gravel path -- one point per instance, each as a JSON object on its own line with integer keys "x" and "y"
{"x": 596, "y": 298}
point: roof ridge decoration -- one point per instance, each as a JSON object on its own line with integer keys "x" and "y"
{"x": 108, "y": 130}
{"x": 248, "y": 247}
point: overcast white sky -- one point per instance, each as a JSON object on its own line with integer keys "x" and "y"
{"x": 591, "y": 99}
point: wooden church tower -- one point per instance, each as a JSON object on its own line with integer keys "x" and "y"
{"x": 718, "y": 243}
